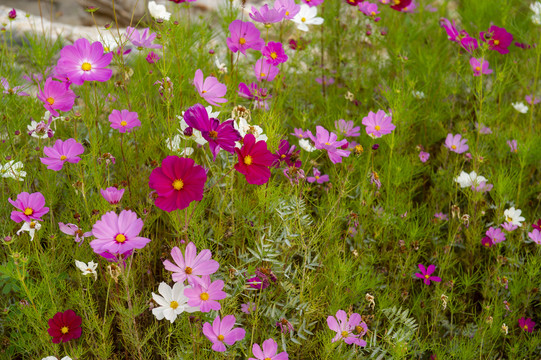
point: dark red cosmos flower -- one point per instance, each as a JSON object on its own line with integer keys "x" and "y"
{"x": 353, "y": 2}
{"x": 537, "y": 225}
{"x": 254, "y": 160}
{"x": 400, "y": 4}
{"x": 65, "y": 326}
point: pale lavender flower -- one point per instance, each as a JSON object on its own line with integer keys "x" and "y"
{"x": 513, "y": 145}
{"x": 456, "y": 143}
{"x": 74, "y": 230}
{"x": 347, "y": 128}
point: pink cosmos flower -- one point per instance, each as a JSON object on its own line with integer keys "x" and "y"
{"x": 495, "y": 234}
{"x": 467, "y": 42}
{"x": 424, "y": 156}
{"x": 532, "y": 100}
{"x": 347, "y": 128}
{"x": 324, "y": 140}
{"x": 83, "y": 61}
{"x": 124, "y": 120}
{"x": 399, "y": 5}
{"x": 274, "y": 53}
{"x": 479, "y": 66}
{"x": 62, "y": 152}
{"x": 351, "y": 331}
{"x": 248, "y": 307}
{"x": 270, "y": 348}
{"x": 143, "y": 39}
{"x": 313, "y": 2}
{"x": 300, "y": 133}
{"x": 378, "y": 124}
{"x": 526, "y": 324}
{"x": 190, "y": 266}
{"x": 513, "y": 145}
{"x": 456, "y": 143}
{"x": 290, "y": 6}
{"x": 267, "y": 16}
{"x": 72, "y": 229}
{"x": 254, "y": 160}
{"x": 368, "y": 8}
{"x": 264, "y": 71}
{"x": 425, "y": 274}
{"x": 287, "y": 154}
{"x": 535, "y": 235}
{"x": 55, "y": 96}
{"x": 222, "y": 332}
{"x": 483, "y": 129}
{"x": 259, "y": 95}
{"x": 325, "y": 80}
{"x": 118, "y": 234}
{"x": 15, "y": 90}
{"x": 244, "y": 36}
{"x": 178, "y": 182}
{"x": 498, "y": 39}
{"x": 487, "y": 242}
{"x": 112, "y": 195}
{"x": 320, "y": 179}
{"x": 509, "y": 226}
{"x": 30, "y": 207}
{"x": 450, "y": 28}
{"x": 210, "y": 88}
{"x": 441, "y": 216}
{"x": 152, "y": 57}
{"x": 204, "y": 294}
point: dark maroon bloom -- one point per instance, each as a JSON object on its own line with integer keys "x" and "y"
{"x": 353, "y": 2}
{"x": 526, "y": 324}
{"x": 523, "y": 45}
{"x": 12, "y": 14}
{"x": 65, "y": 326}
{"x": 497, "y": 38}
{"x": 400, "y": 4}
{"x": 537, "y": 225}
{"x": 288, "y": 154}
{"x": 487, "y": 242}
{"x": 262, "y": 278}
{"x": 254, "y": 160}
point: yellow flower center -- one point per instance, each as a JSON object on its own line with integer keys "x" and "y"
{"x": 178, "y": 184}
{"x": 273, "y": 55}
{"x": 427, "y": 276}
{"x": 248, "y": 160}
{"x": 221, "y": 337}
{"x": 283, "y": 156}
{"x": 263, "y": 75}
{"x": 359, "y": 329}
{"x": 63, "y": 157}
{"x": 487, "y": 244}
{"x": 345, "y": 334}
{"x": 188, "y": 270}
{"x": 32, "y": 225}
{"x": 377, "y": 127}
{"x": 123, "y": 123}
{"x": 242, "y": 41}
{"x": 173, "y": 304}
{"x": 303, "y": 19}
{"x": 50, "y": 100}
{"x": 396, "y": 2}
{"x": 496, "y": 42}
{"x": 526, "y": 327}
{"x": 120, "y": 238}
{"x": 453, "y": 147}
{"x": 28, "y": 211}
{"x": 372, "y": 13}
{"x": 65, "y": 330}
{"x": 509, "y": 219}
{"x": 287, "y": 13}
{"x": 327, "y": 144}
{"x": 213, "y": 134}
{"x": 477, "y": 68}
{"x": 204, "y": 91}
{"x": 86, "y": 66}
{"x": 317, "y": 177}
{"x": 11, "y": 91}
{"x": 204, "y": 296}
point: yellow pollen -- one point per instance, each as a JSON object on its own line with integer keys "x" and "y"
{"x": 106, "y": 49}
{"x": 11, "y": 91}
{"x": 248, "y": 160}
{"x": 204, "y": 91}
{"x": 63, "y": 157}
{"x": 188, "y": 270}
{"x": 477, "y": 68}
{"x": 32, "y": 225}
{"x": 242, "y": 41}
{"x": 273, "y": 55}
{"x": 173, "y": 304}
{"x": 283, "y": 156}
{"x": 427, "y": 276}
{"x": 487, "y": 244}
{"x": 120, "y": 238}
{"x": 396, "y": 2}
{"x": 204, "y": 296}
{"x": 377, "y": 127}
{"x": 496, "y": 42}
{"x": 65, "y": 330}
{"x": 317, "y": 177}
{"x": 453, "y": 147}
{"x": 327, "y": 144}
{"x": 123, "y": 123}
{"x": 263, "y": 75}
{"x": 359, "y": 329}
{"x": 50, "y": 100}
{"x": 372, "y": 13}
{"x": 526, "y": 327}
{"x": 345, "y": 334}
{"x": 287, "y": 13}
{"x": 86, "y": 66}
{"x": 507, "y": 218}
{"x": 303, "y": 19}
{"x": 213, "y": 134}
{"x": 221, "y": 337}
{"x": 178, "y": 184}
{"x": 267, "y": 358}
{"x": 28, "y": 211}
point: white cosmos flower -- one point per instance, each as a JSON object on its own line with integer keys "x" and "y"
{"x": 55, "y": 358}
{"x": 37, "y": 133}
{"x": 467, "y": 180}
{"x": 520, "y": 107}
{"x": 221, "y": 66}
{"x": 536, "y": 16}
{"x": 87, "y": 269}
{"x": 307, "y": 16}
{"x": 158, "y": 12}
{"x": 306, "y": 145}
{"x": 512, "y": 216}
{"x": 244, "y": 128}
{"x": 31, "y": 227}
{"x": 13, "y": 170}
{"x": 418, "y": 94}
{"x": 172, "y": 302}
{"x": 177, "y": 145}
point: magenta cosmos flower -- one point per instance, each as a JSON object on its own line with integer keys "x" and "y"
{"x": 210, "y": 88}
{"x": 274, "y": 53}
{"x": 320, "y": 179}
{"x": 526, "y": 324}
{"x": 290, "y": 6}
{"x": 254, "y": 160}
{"x": 244, "y": 36}
{"x": 31, "y": 207}
{"x": 192, "y": 265}
{"x": 495, "y": 235}
{"x": 118, "y": 234}
{"x": 313, "y": 2}
{"x": 65, "y": 326}
{"x": 178, "y": 182}
{"x": 204, "y": 294}
{"x": 324, "y": 140}
{"x": 399, "y": 5}
{"x": 219, "y": 135}
{"x": 112, "y": 195}
{"x": 378, "y": 124}
{"x": 426, "y": 274}
{"x": 456, "y": 143}
{"x": 142, "y": 39}
{"x": 124, "y": 120}
{"x": 287, "y": 154}
{"x": 55, "y": 96}
{"x": 498, "y": 39}
{"x": 479, "y": 66}
{"x": 221, "y": 331}
{"x": 62, "y": 152}
{"x": 535, "y": 236}
{"x": 424, "y": 156}
{"x": 267, "y": 16}
{"x": 351, "y": 331}
{"x": 269, "y": 351}
{"x": 83, "y": 61}
{"x": 11, "y": 90}
{"x": 265, "y": 71}
{"x": 369, "y": 9}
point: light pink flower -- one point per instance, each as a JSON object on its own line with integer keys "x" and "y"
{"x": 456, "y": 143}
{"x": 192, "y": 265}
{"x": 204, "y": 294}
{"x": 269, "y": 351}
{"x": 351, "y": 331}
{"x": 62, "y": 152}
{"x": 210, "y": 88}
{"x": 72, "y": 229}
{"x": 112, "y": 195}
{"x": 378, "y": 124}
{"x": 221, "y": 331}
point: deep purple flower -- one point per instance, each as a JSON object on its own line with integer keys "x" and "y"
{"x": 221, "y": 331}
{"x": 479, "y": 66}
{"x": 537, "y": 225}
{"x": 350, "y": 331}
{"x": 290, "y": 6}
{"x": 328, "y": 141}
{"x": 210, "y": 88}
{"x": 264, "y": 71}
{"x": 399, "y": 5}
{"x": 267, "y": 15}
{"x": 497, "y": 38}
{"x": 456, "y": 143}
{"x": 143, "y": 39}
{"x": 55, "y": 96}
{"x": 526, "y": 324}
{"x": 62, "y": 152}
{"x": 112, "y": 194}
{"x": 12, "y": 14}
{"x": 347, "y": 128}
{"x": 487, "y": 242}
{"x": 274, "y": 53}
{"x": 30, "y": 207}
{"x": 244, "y": 36}
{"x": 13, "y": 90}
{"x": 425, "y": 274}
